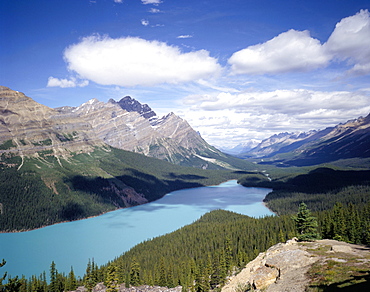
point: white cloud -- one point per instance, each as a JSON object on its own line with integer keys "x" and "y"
{"x": 155, "y": 2}
{"x": 227, "y": 119}
{"x": 154, "y": 10}
{"x": 185, "y": 36}
{"x": 290, "y": 51}
{"x": 145, "y": 22}
{"x": 134, "y": 61}
{"x": 118, "y": 1}
{"x": 297, "y": 51}
{"x": 65, "y": 83}
{"x": 350, "y": 40}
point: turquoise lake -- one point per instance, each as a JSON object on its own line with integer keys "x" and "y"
{"x": 107, "y": 236}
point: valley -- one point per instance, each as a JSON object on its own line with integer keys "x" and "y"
{"x": 70, "y": 163}
{"x": 64, "y": 160}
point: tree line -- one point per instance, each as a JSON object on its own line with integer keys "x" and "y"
{"x": 201, "y": 256}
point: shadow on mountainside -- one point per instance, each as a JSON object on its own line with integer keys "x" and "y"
{"x": 149, "y": 185}
{"x": 185, "y": 176}
{"x": 320, "y": 180}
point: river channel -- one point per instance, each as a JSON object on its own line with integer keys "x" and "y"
{"x": 107, "y": 236}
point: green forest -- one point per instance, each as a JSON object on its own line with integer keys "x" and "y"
{"x": 47, "y": 190}
{"x": 198, "y": 257}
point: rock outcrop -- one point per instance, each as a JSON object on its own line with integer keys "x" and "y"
{"x": 284, "y": 266}
{"x": 122, "y": 288}
{"x": 30, "y": 127}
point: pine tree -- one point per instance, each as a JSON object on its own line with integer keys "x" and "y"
{"x": 162, "y": 280}
{"x": 53, "y": 287}
{"x": 13, "y": 285}
{"x": 3, "y": 277}
{"x": 306, "y": 224}
{"x": 71, "y": 281}
{"x": 88, "y": 280}
{"x": 339, "y": 219}
{"x": 228, "y": 254}
{"x": 111, "y": 278}
{"x": 135, "y": 273}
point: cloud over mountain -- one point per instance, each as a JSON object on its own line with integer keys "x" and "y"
{"x": 255, "y": 114}
{"x": 133, "y": 61}
{"x": 66, "y": 83}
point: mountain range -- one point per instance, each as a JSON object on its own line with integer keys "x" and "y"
{"x": 344, "y": 141}
{"x": 125, "y": 124}
{"x": 69, "y": 163}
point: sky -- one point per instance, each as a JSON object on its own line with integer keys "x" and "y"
{"x": 236, "y": 70}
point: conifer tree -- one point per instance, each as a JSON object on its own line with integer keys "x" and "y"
{"x": 53, "y": 287}
{"x": 228, "y": 254}
{"x": 89, "y": 277}
{"x": 71, "y": 283}
{"x": 162, "y": 280}
{"x": 339, "y": 221}
{"x": 306, "y": 224}
{"x": 135, "y": 273}
{"x": 111, "y": 278}
{"x": 3, "y": 277}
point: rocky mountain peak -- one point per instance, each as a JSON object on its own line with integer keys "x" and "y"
{"x": 32, "y": 127}
{"x": 132, "y": 105}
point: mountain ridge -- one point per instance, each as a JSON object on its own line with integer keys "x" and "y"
{"x": 343, "y": 141}
{"x": 126, "y": 124}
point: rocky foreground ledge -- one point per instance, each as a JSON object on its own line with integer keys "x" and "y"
{"x": 295, "y": 266}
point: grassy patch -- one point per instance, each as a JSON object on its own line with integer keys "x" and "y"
{"x": 352, "y": 274}
{"x": 7, "y": 145}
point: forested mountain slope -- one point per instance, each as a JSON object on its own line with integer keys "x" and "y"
{"x": 45, "y": 189}
{"x": 57, "y": 164}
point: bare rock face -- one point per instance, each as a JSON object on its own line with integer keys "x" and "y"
{"x": 132, "y": 105}
{"x": 264, "y": 276}
{"x": 31, "y": 127}
{"x": 284, "y": 266}
{"x": 116, "y": 126}
{"x": 128, "y": 125}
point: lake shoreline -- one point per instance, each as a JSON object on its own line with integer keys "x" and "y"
{"x": 94, "y": 216}
{"x": 119, "y": 230}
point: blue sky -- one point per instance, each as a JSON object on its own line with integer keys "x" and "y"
{"x": 236, "y": 70}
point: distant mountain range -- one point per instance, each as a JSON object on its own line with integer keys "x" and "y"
{"x": 344, "y": 141}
